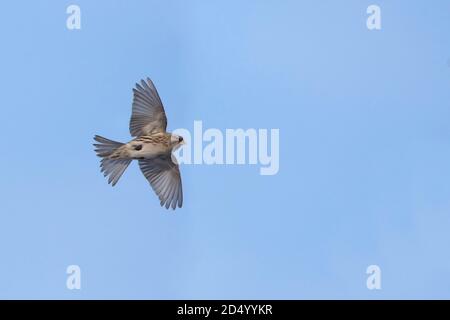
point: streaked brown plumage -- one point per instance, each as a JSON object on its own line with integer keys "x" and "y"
{"x": 152, "y": 147}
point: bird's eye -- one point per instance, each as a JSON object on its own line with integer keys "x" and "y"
{"x": 180, "y": 139}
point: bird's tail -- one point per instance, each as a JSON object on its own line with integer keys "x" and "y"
{"x": 111, "y": 167}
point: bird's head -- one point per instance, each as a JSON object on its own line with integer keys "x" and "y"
{"x": 176, "y": 141}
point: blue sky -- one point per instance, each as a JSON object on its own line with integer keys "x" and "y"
{"x": 364, "y": 119}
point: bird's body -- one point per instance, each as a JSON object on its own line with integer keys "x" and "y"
{"x": 152, "y": 147}
{"x": 145, "y": 147}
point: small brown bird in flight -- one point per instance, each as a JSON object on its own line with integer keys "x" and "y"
{"x": 152, "y": 147}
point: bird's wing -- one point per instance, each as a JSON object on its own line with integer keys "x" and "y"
{"x": 148, "y": 115}
{"x": 164, "y": 177}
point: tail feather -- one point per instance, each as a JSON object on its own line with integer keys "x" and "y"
{"x": 114, "y": 168}
{"x": 105, "y": 147}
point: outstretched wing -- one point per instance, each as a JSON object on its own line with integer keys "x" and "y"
{"x": 164, "y": 177}
{"x": 148, "y": 113}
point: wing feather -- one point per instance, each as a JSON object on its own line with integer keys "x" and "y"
{"x": 165, "y": 179}
{"x": 148, "y": 115}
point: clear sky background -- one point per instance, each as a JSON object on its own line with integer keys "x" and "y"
{"x": 364, "y": 119}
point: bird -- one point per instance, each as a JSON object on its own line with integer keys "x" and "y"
{"x": 151, "y": 146}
